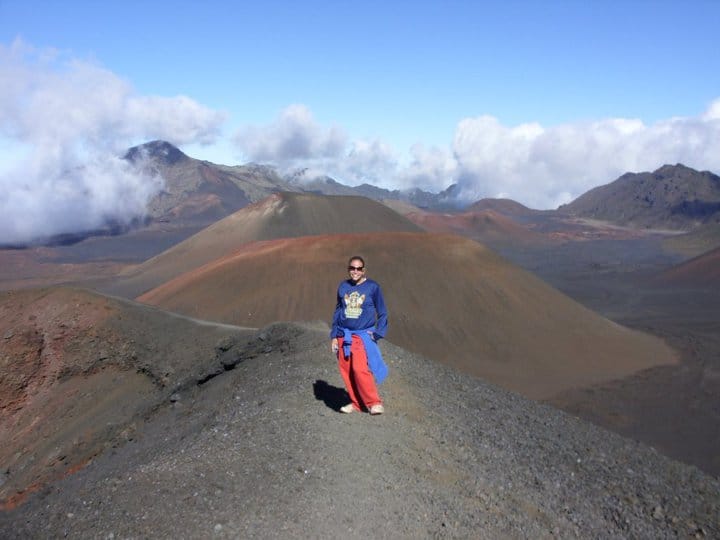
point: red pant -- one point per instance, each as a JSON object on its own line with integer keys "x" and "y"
{"x": 359, "y": 380}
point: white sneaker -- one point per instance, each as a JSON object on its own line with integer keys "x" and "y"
{"x": 377, "y": 409}
{"x": 347, "y": 409}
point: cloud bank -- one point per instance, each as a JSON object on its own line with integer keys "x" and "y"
{"x": 541, "y": 167}
{"x": 545, "y": 167}
{"x": 63, "y": 124}
{"x": 293, "y": 136}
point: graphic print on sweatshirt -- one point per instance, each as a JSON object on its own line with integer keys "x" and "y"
{"x": 353, "y": 305}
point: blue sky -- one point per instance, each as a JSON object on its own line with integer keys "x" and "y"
{"x": 537, "y": 101}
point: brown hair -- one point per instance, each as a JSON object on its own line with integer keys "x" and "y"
{"x": 356, "y": 258}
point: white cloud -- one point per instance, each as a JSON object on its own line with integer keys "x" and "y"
{"x": 431, "y": 169}
{"x": 178, "y": 120}
{"x": 294, "y": 135}
{"x": 713, "y": 112}
{"x": 539, "y": 166}
{"x": 545, "y": 167}
{"x": 294, "y": 140}
{"x": 372, "y": 162}
{"x": 48, "y": 201}
{"x": 71, "y": 119}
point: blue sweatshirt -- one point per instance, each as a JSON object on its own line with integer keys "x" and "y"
{"x": 359, "y": 307}
{"x": 362, "y": 307}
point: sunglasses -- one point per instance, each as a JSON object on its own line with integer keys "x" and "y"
{"x": 356, "y": 268}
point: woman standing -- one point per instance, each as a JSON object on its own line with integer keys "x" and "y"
{"x": 360, "y": 320}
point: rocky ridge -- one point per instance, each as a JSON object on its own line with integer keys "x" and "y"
{"x": 672, "y": 197}
{"x": 260, "y": 450}
{"x": 77, "y": 370}
{"x": 198, "y": 191}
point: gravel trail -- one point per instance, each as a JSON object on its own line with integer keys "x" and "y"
{"x": 259, "y": 450}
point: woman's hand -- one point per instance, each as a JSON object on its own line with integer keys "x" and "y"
{"x": 334, "y": 345}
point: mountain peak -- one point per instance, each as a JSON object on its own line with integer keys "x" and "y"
{"x": 678, "y": 169}
{"x": 158, "y": 150}
{"x": 672, "y": 197}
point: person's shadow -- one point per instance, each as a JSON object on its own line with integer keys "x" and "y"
{"x": 333, "y": 396}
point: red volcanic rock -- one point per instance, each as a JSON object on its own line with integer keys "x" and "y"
{"x": 282, "y": 215}
{"x": 486, "y": 226}
{"x": 699, "y": 272}
{"x": 41, "y": 401}
{"x": 76, "y": 370}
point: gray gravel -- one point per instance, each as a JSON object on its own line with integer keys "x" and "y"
{"x": 260, "y": 451}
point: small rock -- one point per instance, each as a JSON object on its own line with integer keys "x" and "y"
{"x": 225, "y": 344}
{"x": 175, "y": 397}
{"x": 658, "y": 513}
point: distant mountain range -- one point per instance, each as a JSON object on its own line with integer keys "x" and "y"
{"x": 672, "y": 197}
{"x": 324, "y": 185}
{"x": 199, "y": 191}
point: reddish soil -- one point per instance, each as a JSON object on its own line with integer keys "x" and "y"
{"x": 283, "y": 215}
{"x": 700, "y": 272}
{"x": 37, "y": 267}
{"x": 672, "y": 407}
{"x": 487, "y": 226}
{"x": 450, "y": 299}
{"x": 47, "y": 386}
{"x": 77, "y": 370}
